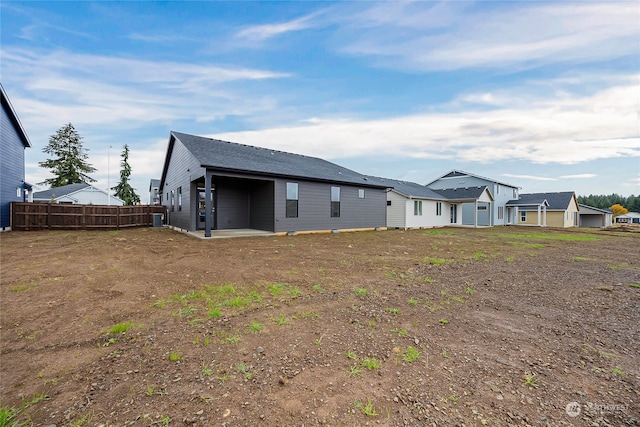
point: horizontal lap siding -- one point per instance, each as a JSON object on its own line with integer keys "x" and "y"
{"x": 183, "y": 168}
{"x": 11, "y": 168}
{"x": 314, "y": 207}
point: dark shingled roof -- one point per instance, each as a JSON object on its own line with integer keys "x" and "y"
{"x": 230, "y": 156}
{"x": 58, "y": 191}
{"x": 467, "y": 193}
{"x": 409, "y": 189}
{"x": 557, "y": 201}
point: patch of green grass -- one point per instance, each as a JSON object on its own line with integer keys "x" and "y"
{"x": 440, "y": 232}
{"x": 366, "y": 408}
{"x": 281, "y": 320}
{"x": 443, "y": 321}
{"x": 184, "y": 312}
{"x": 121, "y": 327}
{"x": 411, "y": 355}
{"x": 354, "y": 370}
{"x": 436, "y": 261}
{"x": 174, "y": 356}
{"x": 413, "y": 301}
{"x": 618, "y": 371}
{"x": 428, "y": 280}
{"x": 510, "y": 259}
{"x": 232, "y": 339}
{"x": 158, "y": 304}
{"x": 371, "y": 363}
{"x": 479, "y": 255}
{"x": 317, "y": 288}
{"x": 255, "y": 327}
{"x": 392, "y": 310}
{"x": 605, "y": 288}
{"x": 214, "y": 313}
{"x": 470, "y": 291}
{"x": 618, "y": 266}
{"x": 458, "y": 299}
{"x": 634, "y": 285}
{"x": 581, "y": 258}
{"x": 401, "y": 332}
{"x": 352, "y": 355}
{"x": 21, "y": 288}
{"x": 245, "y": 370}
{"x": 361, "y": 291}
{"x": 276, "y": 289}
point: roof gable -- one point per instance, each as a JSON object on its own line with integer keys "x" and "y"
{"x": 409, "y": 189}
{"x": 466, "y": 193}
{"x": 458, "y": 174}
{"x": 6, "y": 104}
{"x": 559, "y": 201}
{"x": 229, "y": 156}
{"x": 61, "y": 191}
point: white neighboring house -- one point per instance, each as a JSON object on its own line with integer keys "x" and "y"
{"x": 76, "y": 194}
{"x": 411, "y": 205}
{"x": 628, "y": 218}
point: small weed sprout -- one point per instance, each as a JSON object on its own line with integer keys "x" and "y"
{"x": 366, "y": 408}
{"x": 443, "y": 321}
{"x": 255, "y": 327}
{"x": 361, "y": 291}
{"x": 371, "y": 363}
{"x": 214, "y": 313}
{"x": 634, "y": 285}
{"x": 121, "y": 327}
{"x": 174, "y": 356}
{"x": 529, "y": 380}
{"x": 318, "y": 341}
{"x": 401, "y": 332}
{"x": 352, "y": 355}
{"x": 411, "y": 355}
{"x": 281, "y": 320}
{"x": 618, "y": 371}
{"x": 165, "y": 421}
{"x": 354, "y": 370}
{"x": 392, "y": 310}
{"x": 413, "y": 301}
{"x": 317, "y": 288}
{"x": 470, "y": 291}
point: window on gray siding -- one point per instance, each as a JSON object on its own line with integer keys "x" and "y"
{"x": 500, "y": 212}
{"x": 361, "y": 193}
{"x": 417, "y": 207}
{"x": 335, "y": 202}
{"x": 292, "y": 200}
{"x": 523, "y": 216}
{"x": 438, "y": 208}
{"x": 179, "y": 198}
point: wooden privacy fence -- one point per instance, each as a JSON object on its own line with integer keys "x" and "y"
{"x": 40, "y": 216}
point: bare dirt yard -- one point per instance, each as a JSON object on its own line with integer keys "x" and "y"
{"x": 468, "y": 327}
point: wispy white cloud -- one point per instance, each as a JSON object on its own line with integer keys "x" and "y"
{"x": 516, "y": 36}
{"x": 579, "y": 176}
{"x": 62, "y": 86}
{"x": 529, "y": 177}
{"x": 568, "y": 129}
{"x": 263, "y": 32}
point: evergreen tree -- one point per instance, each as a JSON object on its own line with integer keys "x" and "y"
{"x": 70, "y": 163}
{"x": 123, "y": 190}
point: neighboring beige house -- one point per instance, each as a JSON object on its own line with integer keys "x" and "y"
{"x": 559, "y": 210}
{"x": 595, "y": 217}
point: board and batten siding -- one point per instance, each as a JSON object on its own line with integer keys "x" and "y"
{"x": 396, "y": 212}
{"x": 11, "y": 169}
{"x": 183, "y": 169}
{"x": 314, "y": 207}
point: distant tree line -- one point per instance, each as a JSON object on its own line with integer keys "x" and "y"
{"x": 632, "y": 203}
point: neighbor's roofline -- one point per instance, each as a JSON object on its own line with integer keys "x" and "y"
{"x": 14, "y": 118}
{"x": 474, "y": 175}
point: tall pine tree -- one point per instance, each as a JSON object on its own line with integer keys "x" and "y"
{"x": 70, "y": 164}
{"x": 123, "y": 190}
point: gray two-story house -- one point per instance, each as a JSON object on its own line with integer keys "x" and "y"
{"x": 209, "y": 184}
{"x": 487, "y": 213}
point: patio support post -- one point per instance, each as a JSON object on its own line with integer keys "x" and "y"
{"x": 207, "y": 204}
{"x": 475, "y": 218}
{"x": 544, "y": 216}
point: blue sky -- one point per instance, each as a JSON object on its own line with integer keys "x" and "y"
{"x": 542, "y": 95}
